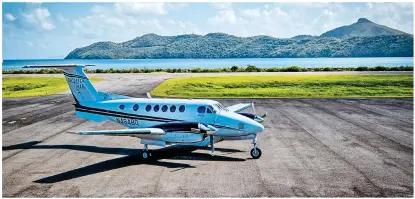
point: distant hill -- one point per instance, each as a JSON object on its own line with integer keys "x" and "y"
{"x": 339, "y": 42}
{"x": 362, "y": 28}
{"x": 301, "y": 37}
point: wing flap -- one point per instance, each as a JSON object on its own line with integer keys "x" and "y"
{"x": 124, "y": 132}
{"x": 239, "y": 107}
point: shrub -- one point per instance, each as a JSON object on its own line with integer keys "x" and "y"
{"x": 362, "y": 68}
{"x": 252, "y": 68}
{"x": 292, "y": 69}
{"x": 328, "y": 69}
{"x": 234, "y": 68}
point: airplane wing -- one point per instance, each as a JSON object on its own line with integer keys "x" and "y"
{"x": 124, "y": 132}
{"x": 239, "y": 107}
{"x": 161, "y": 129}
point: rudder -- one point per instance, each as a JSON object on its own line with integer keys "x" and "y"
{"x": 79, "y": 84}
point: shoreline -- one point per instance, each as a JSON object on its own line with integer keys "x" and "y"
{"x": 233, "y": 69}
{"x": 173, "y": 75}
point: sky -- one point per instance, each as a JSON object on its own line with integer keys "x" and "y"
{"x": 52, "y": 30}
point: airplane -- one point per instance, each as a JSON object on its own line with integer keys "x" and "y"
{"x": 161, "y": 122}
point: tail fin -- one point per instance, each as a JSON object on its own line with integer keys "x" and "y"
{"x": 81, "y": 87}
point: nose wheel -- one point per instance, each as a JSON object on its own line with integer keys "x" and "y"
{"x": 255, "y": 152}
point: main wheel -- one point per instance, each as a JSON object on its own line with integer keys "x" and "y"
{"x": 256, "y": 153}
{"x": 146, "y": 154}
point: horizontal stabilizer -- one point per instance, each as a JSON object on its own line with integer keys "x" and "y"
{"x": 124, "y": 132}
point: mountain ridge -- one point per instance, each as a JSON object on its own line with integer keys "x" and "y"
{"x": 339, "y": 42}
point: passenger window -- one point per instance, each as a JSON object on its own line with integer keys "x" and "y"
{"x": 173, "y": 108}
{"x": 135, "y": 107}
{"x": 164, "y": 108}
{"x": 201, "y": 109}
{"x": 182, "y": 108}
{"x": 156, "y": 108}
{"x": 148, "y": 108}
{"x": 122, "y": 106}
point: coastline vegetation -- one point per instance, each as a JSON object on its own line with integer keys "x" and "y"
{"x": 34, "y": 86}
{"x": 288, "y": 86}
{"x": 249, "y": 68}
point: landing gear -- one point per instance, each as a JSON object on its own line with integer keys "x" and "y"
{"x": 255, "y": 152}
{"x": 146, "y": 154}
{"x": 212, "y": 148}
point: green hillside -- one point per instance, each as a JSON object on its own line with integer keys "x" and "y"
{"x": 362, "y": 39}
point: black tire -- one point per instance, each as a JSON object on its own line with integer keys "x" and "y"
{"x": 256, "y": 154}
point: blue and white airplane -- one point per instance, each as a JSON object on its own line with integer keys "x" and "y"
{"x": 161, "y": 122}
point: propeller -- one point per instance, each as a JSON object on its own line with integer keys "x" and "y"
{"x": 253, "y": 107}
{"x": 209, "y": 130}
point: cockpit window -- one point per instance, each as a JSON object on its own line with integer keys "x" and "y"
{"x": 210, "y": 109}
{"x": 201, "y": 109}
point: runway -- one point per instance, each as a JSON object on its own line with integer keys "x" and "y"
{"x": 311, "y": 147}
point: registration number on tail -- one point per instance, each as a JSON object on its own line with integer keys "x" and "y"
{"x": 79, "y": 83}
{"x": 125, "y": 121}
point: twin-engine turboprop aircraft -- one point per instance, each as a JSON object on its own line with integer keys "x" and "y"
{"x": 161, "y": 122}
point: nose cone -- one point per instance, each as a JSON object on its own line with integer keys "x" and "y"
{"x": 258, "y": 127}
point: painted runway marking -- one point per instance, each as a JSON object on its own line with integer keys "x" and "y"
{"x": 12, "y": 122}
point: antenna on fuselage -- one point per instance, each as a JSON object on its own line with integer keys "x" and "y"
{"x": 148, "y": 95}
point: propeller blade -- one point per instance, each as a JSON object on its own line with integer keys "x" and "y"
{"x": 253, "y": 107}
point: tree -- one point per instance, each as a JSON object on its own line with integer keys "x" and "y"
{"x": 234, "y": 68}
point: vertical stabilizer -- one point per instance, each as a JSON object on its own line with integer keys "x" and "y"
{"x": 81, "y": 87}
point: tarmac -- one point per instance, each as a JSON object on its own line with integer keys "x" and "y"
{"x": 310, "y": 148}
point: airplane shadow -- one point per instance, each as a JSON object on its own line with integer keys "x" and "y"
{"x": 131, "y": 157}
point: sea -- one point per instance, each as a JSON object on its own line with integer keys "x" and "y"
{"x": 216, "y": 63}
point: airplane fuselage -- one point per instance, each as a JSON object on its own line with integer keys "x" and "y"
{"x": 145, "y": 113}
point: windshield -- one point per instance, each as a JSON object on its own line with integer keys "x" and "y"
{"x": 211, "y": 109}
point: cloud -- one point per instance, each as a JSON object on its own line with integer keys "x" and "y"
{"x": 39, "y": 17}
{"x": 222, "y": 6}
{"x": 225, "y": 15}
{"x": 289, "y": 19}
{"x": 61, "y": 18}
{"x": 29, "y": 43}
{"x": 134, "y": 8}
{"x": 119, "y": 22}
{"x": 9, "y": 17}
{"x": 252, "y": 12}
